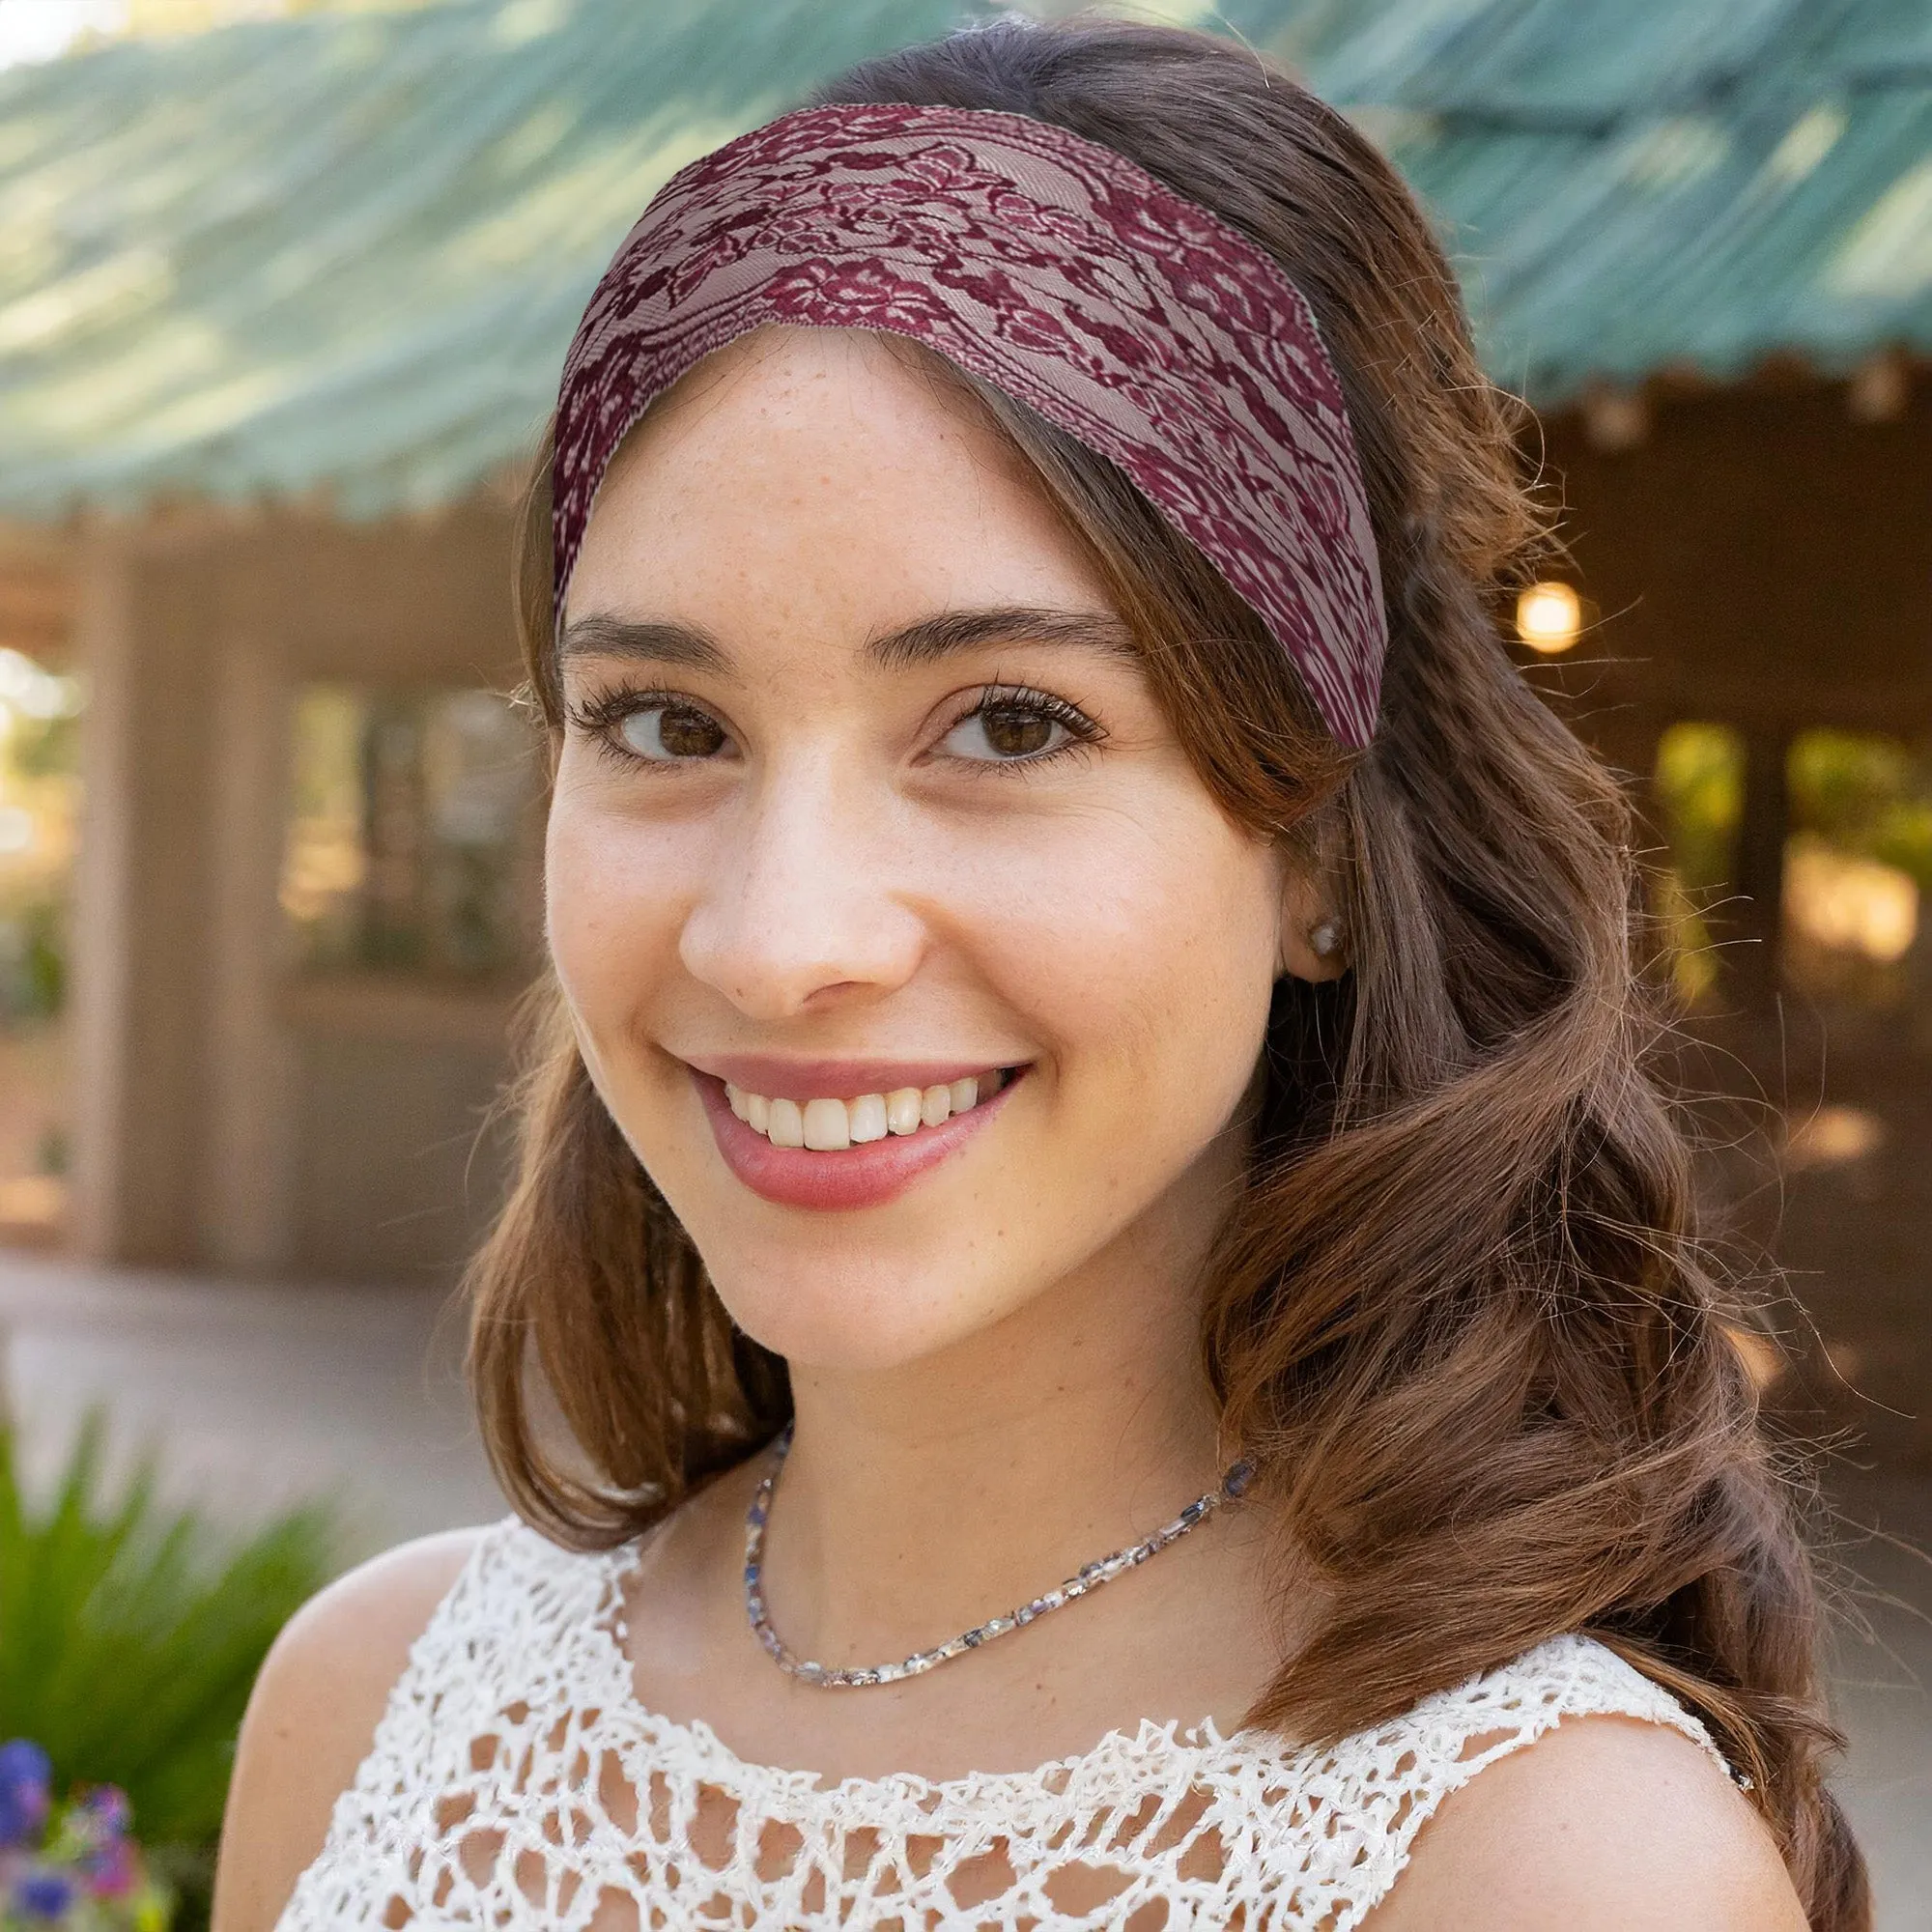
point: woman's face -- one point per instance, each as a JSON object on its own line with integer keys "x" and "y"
{"x": 867, "y": 828}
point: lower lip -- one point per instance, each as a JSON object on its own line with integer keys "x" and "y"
{"x": 858, "y": 1177}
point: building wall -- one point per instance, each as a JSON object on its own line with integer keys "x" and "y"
{"x": 394, "y": 1132}
{"x": 1761, "y": 556}
{"x": 230, "y": 1112}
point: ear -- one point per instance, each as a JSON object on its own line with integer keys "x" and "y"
{"x": 1309, "y": 917}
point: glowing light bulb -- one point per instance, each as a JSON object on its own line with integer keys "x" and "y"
{"x": 1548, "y": 616}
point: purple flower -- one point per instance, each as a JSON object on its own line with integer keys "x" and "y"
{"x": 43, "y": 1894}
{"x": 108, "y": 1812}
{"x": 26, "y": 1778}
{"x": 111, "y": 1871}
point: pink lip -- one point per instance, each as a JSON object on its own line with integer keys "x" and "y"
{"x": 804, "y": 1080}
{"x": 858, "y": 1177}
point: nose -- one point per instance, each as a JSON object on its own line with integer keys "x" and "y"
{"x": 801, "y": 910}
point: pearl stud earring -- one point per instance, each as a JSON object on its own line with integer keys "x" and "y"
{"x": 1324, "y": 939}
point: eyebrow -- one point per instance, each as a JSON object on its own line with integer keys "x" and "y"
{"x": 933, "y": 638}
{"x": 924, "y": 642}
{"x": 599, "y": 635}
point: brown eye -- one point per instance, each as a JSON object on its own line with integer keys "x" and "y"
{"x": 1014, "y": 734}
{"x": 1018, "y": 728}
{"x": 667, "y": 731}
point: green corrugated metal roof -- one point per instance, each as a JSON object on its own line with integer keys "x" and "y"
{"x": 347, "y": 251}
{"x": 1636, "y": 184}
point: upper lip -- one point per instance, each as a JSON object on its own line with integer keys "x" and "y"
{"x": 785, "y": 1079}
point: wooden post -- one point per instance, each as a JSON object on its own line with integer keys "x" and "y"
{"x": 247, "y": 1209}
{"x": 142, "y": 904}
{"x": 183, "y": 1087}
{"x": 1758, "y": 917}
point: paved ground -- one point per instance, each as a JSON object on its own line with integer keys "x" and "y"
{"x": 259, "y": 1395}
{"x": 255, "y": 1396}
{"x": 1884, "y": 1691}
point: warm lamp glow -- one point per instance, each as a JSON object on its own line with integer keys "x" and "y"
{"x": 1849, "y": 904}
{"x": 1549, "y": 617}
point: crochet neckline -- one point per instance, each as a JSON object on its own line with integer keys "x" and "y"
{"x": 1152, "y": 1740}
{"x": 516, "y": 1723}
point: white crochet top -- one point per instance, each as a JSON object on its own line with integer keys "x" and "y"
{"x": 515, "y": 1781}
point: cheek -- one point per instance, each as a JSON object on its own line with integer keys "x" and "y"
{"x": 1142, "y": 945}
{"x": 612, "y": 909}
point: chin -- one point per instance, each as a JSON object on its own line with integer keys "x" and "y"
{"x": 858, "y": 1313}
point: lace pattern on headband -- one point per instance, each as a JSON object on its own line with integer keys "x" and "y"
{"x": 1058, "y": 271}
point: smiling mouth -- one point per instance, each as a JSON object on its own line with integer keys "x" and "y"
{"x": 832, "y": 1126}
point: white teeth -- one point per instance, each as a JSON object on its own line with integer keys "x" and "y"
{"x": 828, "y": 1126}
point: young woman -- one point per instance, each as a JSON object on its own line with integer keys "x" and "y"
{"x": 1093, "y": 1038}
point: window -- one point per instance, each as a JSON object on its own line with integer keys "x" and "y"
{"x": 1701, "y": 790}
{"x": 40, "y": 799}
{"x": 1855, "y": 865}
{"x": 1855, "y": 825}
{"x": 412, "y": 839}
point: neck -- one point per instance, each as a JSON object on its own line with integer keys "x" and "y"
{"x": 920, "y": 1501}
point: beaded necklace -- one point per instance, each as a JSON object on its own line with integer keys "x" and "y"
{"x": 834, "y": 1677}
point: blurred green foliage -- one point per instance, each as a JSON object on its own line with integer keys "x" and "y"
{"x": 40, "y": 762}
{"x": 1700, "y": 795}
{"x": 45, "y": 748}
{"x": 1700, "y": 786}
{"x": 131, "y": 1636}
{"x": 1868, "y": 796}
{"x": 32, "y": 960}
{"x": 1862, "y": 795}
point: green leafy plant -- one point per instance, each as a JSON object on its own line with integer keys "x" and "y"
{"x": 130, "y": 1634}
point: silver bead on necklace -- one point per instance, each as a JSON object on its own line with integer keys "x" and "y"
{"x": 834, "y": 1677}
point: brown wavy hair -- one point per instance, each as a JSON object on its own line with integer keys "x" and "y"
{"x": 1459, "y": 1318}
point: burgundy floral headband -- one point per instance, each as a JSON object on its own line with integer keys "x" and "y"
{"x": 1057, "y": 271}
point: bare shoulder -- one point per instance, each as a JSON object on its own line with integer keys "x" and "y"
{"x": 313, "y": 1715}
{"x": 1604, "y": 1824}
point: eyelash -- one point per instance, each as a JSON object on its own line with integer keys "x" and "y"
{"x": 599, "y": 718}
{"x": 1083, "y": 734}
